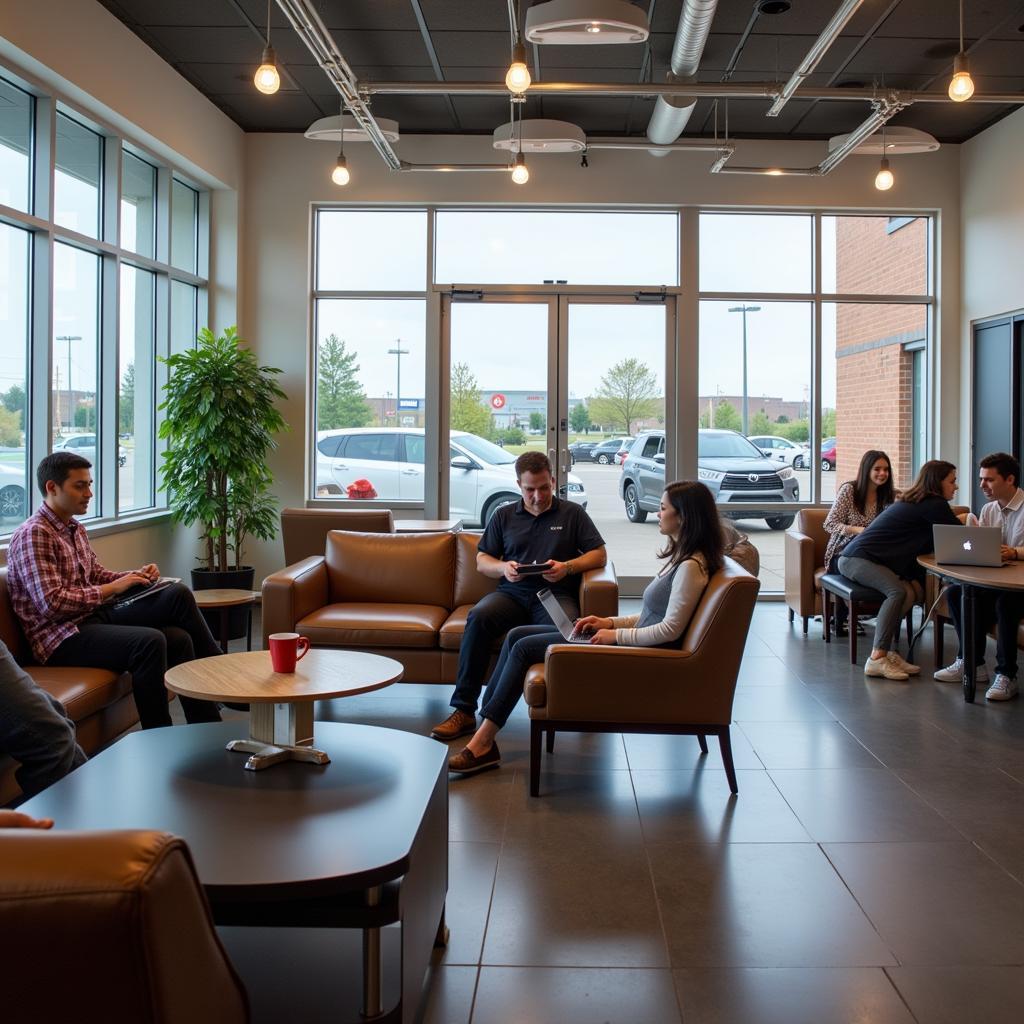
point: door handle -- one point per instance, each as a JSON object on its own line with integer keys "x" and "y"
{"x": 410, "y": 472}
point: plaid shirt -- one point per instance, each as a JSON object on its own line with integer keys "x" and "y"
{"x": 54, "y": 579}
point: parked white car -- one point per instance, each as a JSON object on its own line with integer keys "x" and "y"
{"x": 12, "y": 490}
{"x": 482, "y": 477}
{"x": 85, "y": 445}
{"x": 781, "y": 449}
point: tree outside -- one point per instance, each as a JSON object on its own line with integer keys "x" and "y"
{"x": 537, "y": 421}
{"x": 10, "y": 428}
{"x": 126, "y": 402}
{"x": 760, "y": 424}
{"x": 340, "y": 400}
{"x": 13, "y": 399}
{"x": 579, "y": 418}
{"x": 468, "y": 411}
{"x": 627, "y": 393}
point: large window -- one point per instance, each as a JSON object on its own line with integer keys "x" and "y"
{"x": 110, "y": 306}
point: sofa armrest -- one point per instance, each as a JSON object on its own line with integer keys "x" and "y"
{"x": 799, "y": 573}
{"x": 292, "y": 593}
{"x": 599, "y": 591}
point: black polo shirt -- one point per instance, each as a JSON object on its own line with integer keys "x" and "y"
{"x": 563, "y": 532}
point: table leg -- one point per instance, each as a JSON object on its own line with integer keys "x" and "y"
{"x": 224, "y": 629}
{"x": 279, "y": 732}
{"x": 967, "y": 640}
{"x": 371, "y": 961}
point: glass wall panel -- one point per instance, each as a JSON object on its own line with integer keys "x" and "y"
{"x": 874, "y": 255}
{"x": 869, "y": 398}
{"x": 138, "y": 205}
{"x": 372, "y": 250}
{"x": 75, "y": 348}
{"x": 743, "y": 252}
{"x": 79, "y": 173}
{"x": 370, "y": 404}
{"x": 135, "y": 389}
{"x": 14, "y": 337}
{"x": 184, "y": 226}
{"x": 15, "y": 147}
{"x": 556, "y": 247}
{"x": 184, "y": 319}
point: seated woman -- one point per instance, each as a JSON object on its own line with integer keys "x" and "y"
{"x": 856, "y": 504}
{"x": 885, "y": 558}
{"x": 689, "y": 519}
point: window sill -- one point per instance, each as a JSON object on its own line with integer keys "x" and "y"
{"x": 106, "y": 527}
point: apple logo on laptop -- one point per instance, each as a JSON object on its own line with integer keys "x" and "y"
{"x": 967, "y": 545}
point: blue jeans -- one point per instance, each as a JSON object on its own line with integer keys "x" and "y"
{"x": 34, "y": 729}
{"x": 524, "y": 646}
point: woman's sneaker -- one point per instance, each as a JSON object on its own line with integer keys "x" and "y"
{"x": 954, "y": 673}
{"x": 1003, "y": 688}
{"x": 896, "y": 659}
{"x": 884, "y": 668}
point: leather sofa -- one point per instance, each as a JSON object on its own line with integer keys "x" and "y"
{"x": 304, "y": 530}
{"x": 99, "y": 701}
{"x": 404, "y": 596}
{"x": 109, "y": 926}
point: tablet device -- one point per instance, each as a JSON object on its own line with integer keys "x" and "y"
{"x": 533, "y": 568}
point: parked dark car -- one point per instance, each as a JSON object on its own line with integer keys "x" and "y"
{"x": 579, "y": 451}
{"x": 828, "y": 454}
{"x": 605, "y": 452}
{"x": 732, "y": 468}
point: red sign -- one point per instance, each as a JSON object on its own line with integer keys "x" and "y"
{"x": 497, "y": 401}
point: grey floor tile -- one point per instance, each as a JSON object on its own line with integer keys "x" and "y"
{"x": 760, "y": 905}
{"x": 449, "y": 996}
{"x": 765, "y": 671}
{"x": 806, "y": 745}
{"x": 471, "y": 871}
{"x": 860, "y": 805}
{"x": 574, "y": 905}
{"x": 936, "y": 904}
{"x": 1007, "y": 853}
{"x": 792, "y": 703}
{"x": 794, "y": 995}
{"x": 574, "y": 995}
{"x": 697, "y": 807}
{"x": 907, "y": 741}
{"x": 955, "y": 995}
{"x": 683, "y": 752}
{"x": 478, "y": 806}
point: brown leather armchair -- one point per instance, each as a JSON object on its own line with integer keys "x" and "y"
{"x": 109, "y": 926}
{"x": 304, "y": 530}
{"x": 650, "y": 689}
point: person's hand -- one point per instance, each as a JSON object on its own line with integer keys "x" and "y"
{"x": 151, "y": 572}
{"x": 604, "y": 636}
{"x": 15, "y": 819}
{"x": 126, "y": 582}
{"x": 852, "y": 531}
{"x": 591, "y": 623}
{"x": 510, "y": 572}
{"x": 557, "y": 571}
{"x": 1007, "y": 553}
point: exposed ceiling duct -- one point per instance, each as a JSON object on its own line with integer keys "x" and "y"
{"x": 671, "y": 113}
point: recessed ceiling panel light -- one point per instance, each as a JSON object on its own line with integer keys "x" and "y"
{"x": 539, "y": 135}
{"x": 327, "y": 129}
{"x": 586, "y": 23}
{"x": 898, "y": 141}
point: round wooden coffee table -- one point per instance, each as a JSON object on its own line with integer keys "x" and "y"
{"x": 223, "y": 600}
{"x": 281, "y": 703}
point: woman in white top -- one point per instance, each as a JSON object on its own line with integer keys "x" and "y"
{"x": 689, "y": 519}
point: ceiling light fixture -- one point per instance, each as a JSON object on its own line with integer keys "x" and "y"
{"x": 520, "y": 172}
{"x": 884, "y": 178}
{"x": 326, "y": 129}
{"x": 586, "y": 23}
{"x": 340, "y": 175}
{"x": 961, "y": 85}
{"x": 266, "y": 79}
{"x": 517, "y": 77}
{"x": 539, "y": 135}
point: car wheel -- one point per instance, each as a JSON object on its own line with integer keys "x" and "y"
{"x": 602, "y": 460}
{"x": 12, "y": 501}
{"x": 634, "y": 513}
{"x": 779, "y": 522}
{"x": 798, "y": 462}
{"x": 825, "y": 465}
{"x": 495, "y": 503}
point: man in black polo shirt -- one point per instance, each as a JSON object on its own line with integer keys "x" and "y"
{"x": 540, "y": 528}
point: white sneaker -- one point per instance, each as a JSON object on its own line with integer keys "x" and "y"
{"x": 901, "y": 663}
{"x": 955, "y": 673}
{"x": 1004, "y": 688}
{"x": 885, "y": 668}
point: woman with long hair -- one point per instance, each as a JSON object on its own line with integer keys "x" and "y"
{"x": 688, "y": 518}
{"x": 885, "y": 558}
{"x": 856, "y": 505}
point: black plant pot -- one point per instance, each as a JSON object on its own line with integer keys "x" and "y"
{"x": 232, "y": 579}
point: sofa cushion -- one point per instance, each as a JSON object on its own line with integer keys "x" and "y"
{"x": 82, "y": 691}
{"x": 455, "y": 626}
{"x": 364, "y": 624}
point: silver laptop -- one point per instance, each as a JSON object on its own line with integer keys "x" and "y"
{"x": 968, "y": 545}
{"x": 562, "y": 621}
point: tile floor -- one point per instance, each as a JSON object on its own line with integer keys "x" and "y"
{"x": 871, "y": 868}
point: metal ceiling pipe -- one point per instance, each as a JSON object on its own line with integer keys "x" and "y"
{"x": 671, "y": 114}
{"x": 818, "y": 49}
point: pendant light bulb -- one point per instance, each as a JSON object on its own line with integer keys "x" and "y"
{"x": 961, "y": 85}
{"x": 520, "y": 172}
{"x": 518, "y": 78}
{"x": 340, "y": 175}
{"x": 266, "y": 79}
{"x": 884, "y": 178}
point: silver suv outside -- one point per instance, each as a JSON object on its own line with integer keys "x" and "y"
{"x": 733, "y": 469}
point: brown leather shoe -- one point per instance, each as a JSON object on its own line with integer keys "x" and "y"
{"x": 458, "y": 723}
{"x": 465, "y": 761}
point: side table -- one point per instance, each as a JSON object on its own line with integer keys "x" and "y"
{"x": 224, "y": 600}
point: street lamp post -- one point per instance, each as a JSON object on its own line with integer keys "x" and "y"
{"x": 399, "y": 352}
{"x": 69, "y": 338}
{"x": 745, "y": 309}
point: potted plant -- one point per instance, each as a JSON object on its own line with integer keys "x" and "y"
{"x": 220, "y": 421}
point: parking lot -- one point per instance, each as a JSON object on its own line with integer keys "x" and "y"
{"x": 633, "y": 546}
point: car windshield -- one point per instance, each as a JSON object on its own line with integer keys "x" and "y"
{"x": 484, "y": 450}
{"x": 725, "y": 446}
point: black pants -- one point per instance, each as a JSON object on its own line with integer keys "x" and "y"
{"x": 146, "y": 638}
{"x": 1001, "y": 607}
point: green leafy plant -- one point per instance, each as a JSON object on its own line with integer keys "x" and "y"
{"x": 220, "y": 421}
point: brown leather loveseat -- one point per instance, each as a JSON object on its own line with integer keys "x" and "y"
{"x": 99, "y": 701}
{"x": 405, "y": 596}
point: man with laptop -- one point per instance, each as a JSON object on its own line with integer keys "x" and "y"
{"x": 75, "y": 612}
{"x": 536, "y": 543}
{"x": 998, "y": 477}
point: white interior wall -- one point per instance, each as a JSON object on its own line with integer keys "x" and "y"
{"x": 286, "y": 174}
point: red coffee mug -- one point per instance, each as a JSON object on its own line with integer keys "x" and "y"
{"x": 284, "y": 650}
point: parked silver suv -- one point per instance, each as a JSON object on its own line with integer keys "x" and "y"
{"x": 732, "y": 468}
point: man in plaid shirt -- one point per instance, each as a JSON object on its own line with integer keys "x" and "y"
{"x": 62, "y": 595}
